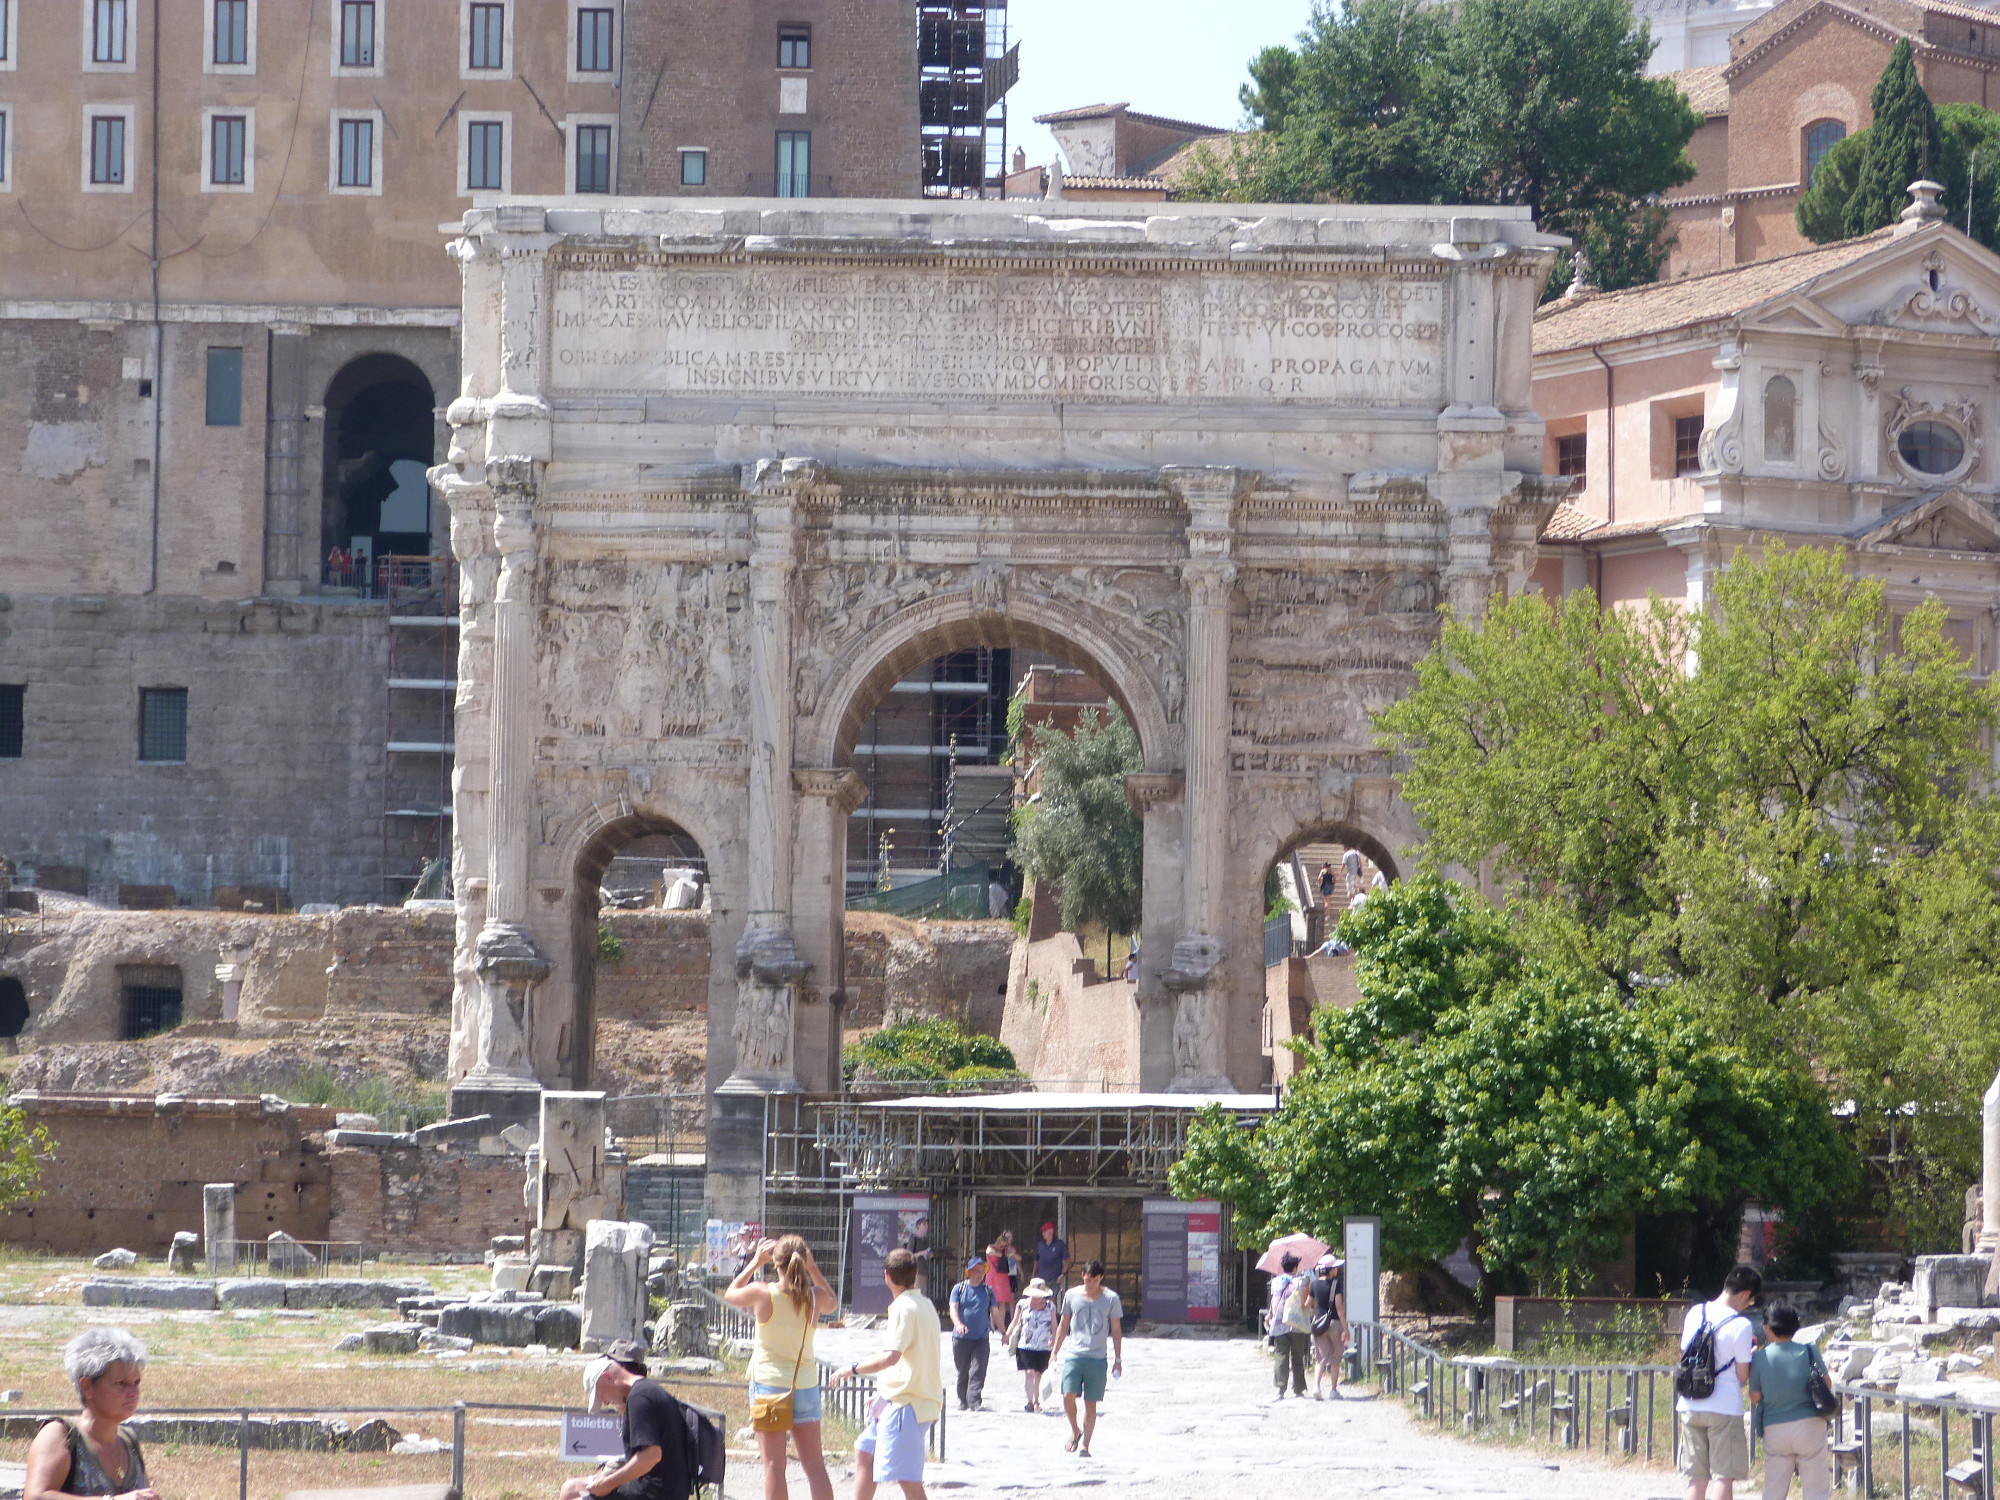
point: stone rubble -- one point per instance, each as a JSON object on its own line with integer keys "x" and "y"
{"x": 116, "y": 1260}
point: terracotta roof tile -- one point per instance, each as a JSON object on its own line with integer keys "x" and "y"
{"x": 1706, "y": 89}
{"x": 1601, "y": 317}
{"x": 1126, "y": 184}
{"x": 1178, "y": 165}
{"x": 1086, "y": 112}
{"x": 1568, "y": 524}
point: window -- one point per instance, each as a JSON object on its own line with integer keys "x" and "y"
{"x": 152, "y": 999}
{"x": 795, "y": 46}
{"x": 107, "y": 31}
{"x": 1781, "y": 404}
{"x": 107, "y": 150}
{"x": 489, "y": 37}
{"x": 225, "y": 149}
{"x": 357, "y": 33}
{"x": 485, "y": 156}
{"x": 225, "y": 388}
{"x": 1571, "y": 453}
{"x": 6, "y": 33}
{"x": 232, "y": 33}
{"x": 1687, "y": 445}
{"x": 794, "y": 164}
{"x": 163, "y": 723}
{"x": 694, "y": 169}
{"x": 356, "y": 166}
{"x": 1930, "y": 447}
{"x": 593, "y": 158}
{"x": 1820, "y": 139}
{"x": 13, "y": 719}
{"x": 6, "y": 148}
{"x": 593, "y": 42}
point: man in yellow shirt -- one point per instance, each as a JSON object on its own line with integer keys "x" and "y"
{"x": 910, "y": 1395}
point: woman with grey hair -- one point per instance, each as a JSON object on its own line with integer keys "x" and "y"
{"x": 94, "y": 1454}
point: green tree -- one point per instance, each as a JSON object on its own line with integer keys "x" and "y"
{"x": 23, "y": 1149}
{"x": 1079, "y": 835}
{"x": 1903, "y": 145}
{"x": 1798, "y": 835}
{"x": 1477, "y": 1093}
{"x": 927, "y": 1051}
{"x": 1264, "y": 97}
{"x": 1542, "y": 102}
{"x": 1968, "y": 168}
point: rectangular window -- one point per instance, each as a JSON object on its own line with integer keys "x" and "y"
{"x": 694, "y": 169}
{"x": 163, "y": 723}
{"x": 225, "y": 388}
{"x": 1571, "y": 453}
{"x": 107, "y": 149}
{"x": 593, "y": 158}
{"x": 357, "y": 33}
{"x": 5, "y": 159}
{"x": 1687, "y": 445}
{"x": 794, "y": 164}
{"x": 6, "y": 31}
{"x": 357, "y": 154}
{"x": 152, "y": 994}
{"x": 13, "y": 719}
{"x": 795, "y": 46}
{"x": 485, "y": 155}
{"x": 593, "y": 42}
{"x": 232, "y": 33}
{"x": 107, "y": 31}
{"x": 225, "y": 150}
{"x": 489, "y": 37}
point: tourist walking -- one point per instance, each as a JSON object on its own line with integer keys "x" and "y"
{"x": 781, "y": 1357}
{"x": 659, "y": 1461}
{"x": 1325, "y": 884}
{"x": 974, "y": 1315}
{"x": 94, "y": 1452}
{"x": 1782, "y": 1411}
{"x": 1329, "y": 1324}
{"x": 910, "y": 1394}
{"x": 1713, "y": 1443}
{"x": 1003, "y": 1272}
{"x": 1350, "y": 868}
{"x": 1091, "y": 1317}
{"x": 1051, "y": 1256}
{"x": 1290, "y": 1322}
{"x": 1033, "y": 1335}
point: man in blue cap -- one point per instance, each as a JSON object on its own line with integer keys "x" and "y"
{"x": 973, "y": 1319}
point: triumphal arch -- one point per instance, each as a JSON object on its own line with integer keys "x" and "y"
{"x": 723, "y": 472}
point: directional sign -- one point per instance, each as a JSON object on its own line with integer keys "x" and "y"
{"x": 587, "y": 1439}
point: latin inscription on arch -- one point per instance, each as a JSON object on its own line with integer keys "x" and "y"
{"x": 938, "y": 333}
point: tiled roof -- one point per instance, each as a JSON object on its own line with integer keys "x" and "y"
{"x": 1568, "y": 524}
{"x": 1102, "y": 111}
{"x": 1601, "y": 317}
{"x": 1119, "y": 184}
{"x": 1706, "y": 89}
{"x": 1087, "y": 112}
{"x": 1177, "y": 166}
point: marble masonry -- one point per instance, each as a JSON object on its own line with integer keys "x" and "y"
{"x": 722, "y": 473}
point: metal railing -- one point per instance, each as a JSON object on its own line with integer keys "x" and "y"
{"x": 852, "y": 1399}
{"x": 286, "y": 1257}
{"x": 1876, "y": 1437}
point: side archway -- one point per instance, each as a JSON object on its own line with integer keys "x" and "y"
{"x": 380, "y": 438}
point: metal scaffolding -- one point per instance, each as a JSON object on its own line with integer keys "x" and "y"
{"x": 965, "y": 68}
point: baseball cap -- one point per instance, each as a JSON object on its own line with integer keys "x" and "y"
{"x": 593, "y": 1372}
{"x": 975, "y": 1261}
{"x": 1049, "y": 1226}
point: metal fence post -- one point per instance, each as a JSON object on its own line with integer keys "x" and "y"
{"x": 243, "y": 1455}
{"x": 458, "y": 1448}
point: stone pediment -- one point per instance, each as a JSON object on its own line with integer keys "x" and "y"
{"x": 1936, "y": 282}
{"x": 1794, "y": 313}
{"x": 1945, "y": 521}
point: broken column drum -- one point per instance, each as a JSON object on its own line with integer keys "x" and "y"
{"x": 721, "y": 474}
{"x": 567, "y": 1178}
{"x": 218, "y": 1226}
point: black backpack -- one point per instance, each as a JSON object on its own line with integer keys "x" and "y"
{"x": 1694, "y": 1376}
{"x": 708, "y": 1453}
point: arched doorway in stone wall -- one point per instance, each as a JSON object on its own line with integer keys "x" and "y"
{"x": 380, "y": 438}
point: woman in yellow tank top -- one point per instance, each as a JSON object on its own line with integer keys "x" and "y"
{"x": 787, "y": 1310}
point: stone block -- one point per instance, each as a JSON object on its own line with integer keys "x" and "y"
{"x": 184, "y": 1256}
{"x": 684, "y": 1331}
{"x": 218, "y": 1225}
{"x": 116, "y": 1260}
{"x": 1949, "y": 1281}
{"x": 179, "y": 1295}
{"x": 510, "y": 1273}
{"x": 555, "y": 1283}
{"x": 511, "y": 1324}
{"x": 338, "y": 1291}
{"x": 348, "y": 1342}
{"x": 1852, "y": 1362}
{"x": 614, "y": 1280}
{"x": 250, "y": 1291}
{"x": 373, "y": 1436}
{"x": 434, "y": 1341}
{"x": 558, "y": 1325}
{"x": 391, "y": 1338}
{"x": 1977, "y": 1319}
{"x": 287, "y": 1254}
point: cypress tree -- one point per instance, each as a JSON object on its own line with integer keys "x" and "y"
{"x": 1903, "y": 145}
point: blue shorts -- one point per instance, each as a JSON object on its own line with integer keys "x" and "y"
{"x": 897, "y": 1439}
{"x": 805, "y": 1400}
{"x": 1083, "y": 1375}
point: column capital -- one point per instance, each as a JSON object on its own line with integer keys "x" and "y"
{"x": 1209, "y": 580}
{"x": 1146, "y": 790}
{"x": 840, "y": 785}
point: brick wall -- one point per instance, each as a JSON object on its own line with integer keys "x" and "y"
{"x": 390, "y": 960}
{"x": 663, "y": 970}
{"x": 129, "y": 1171}
{"x": 416, "y": 1200}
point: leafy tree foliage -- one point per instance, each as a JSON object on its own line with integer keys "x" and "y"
{"x": 1477, "y": 1092}
{"x": 1542, "y": 102}
{"x": 1797, "y": 836}
{"x": 1903, "y": 145}
{"x": 1081, "y": 836}
{"x": 1263, "y": 97}
{"x": 1968, "y": 166}
{"x": 928, "y": 1051}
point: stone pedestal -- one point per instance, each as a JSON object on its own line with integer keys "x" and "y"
{"x": 508, "y": 1103}
{"x": 735, "y": 1184}
{"x": 230, "y": 977}
{"x": 614, "y": 1281}
{"x": 218, "y": 1226}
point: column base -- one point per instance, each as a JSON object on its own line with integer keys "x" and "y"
{"x": 515, "y": 1103}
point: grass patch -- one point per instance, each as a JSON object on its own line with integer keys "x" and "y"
{"x": 388, "y": 1100}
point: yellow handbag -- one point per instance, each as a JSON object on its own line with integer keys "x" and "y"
{"x": 774, "y": 1413}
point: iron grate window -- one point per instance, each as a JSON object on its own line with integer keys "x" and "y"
{"x": 593, "y": 159}
{"x": 357, "y": 153}
{"x": 107, "y": 31}
{"x": 593, "y": 41}
{"x": 357, "y": 33}
{"x": 163, "y": 716}
{"x": 226, "y": 135}
{"x": 1571, "y": 454}
{"x": 13, "y": 719}
{"x": 107, "y": 149}
{"x": 232, "y": 33}
{"x": 485, "y": 148}
{"x": 489, "y": 37}
{"x": 1687, "y": 445}
{"x": 152, "y": 999}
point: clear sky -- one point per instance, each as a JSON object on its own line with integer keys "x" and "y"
{"x": 1181, "y": 58}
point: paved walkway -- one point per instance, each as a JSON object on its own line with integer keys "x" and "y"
{"x": 1192, "y": 1415}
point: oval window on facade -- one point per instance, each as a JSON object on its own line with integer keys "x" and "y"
{"x": 1781, "y": 404}
{"x": 1930, "y": 447}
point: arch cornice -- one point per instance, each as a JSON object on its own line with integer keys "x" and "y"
{"x": 877, "y": 658}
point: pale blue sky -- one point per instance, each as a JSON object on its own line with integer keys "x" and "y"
{"x": 1181, "y": 58}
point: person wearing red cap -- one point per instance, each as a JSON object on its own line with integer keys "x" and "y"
{"x": 1051, "y": 1256}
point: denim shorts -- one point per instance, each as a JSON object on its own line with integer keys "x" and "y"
{"x": 805, "y": 1400}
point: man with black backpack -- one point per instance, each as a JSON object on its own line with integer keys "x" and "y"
{"x": 1717, "y": 1341}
